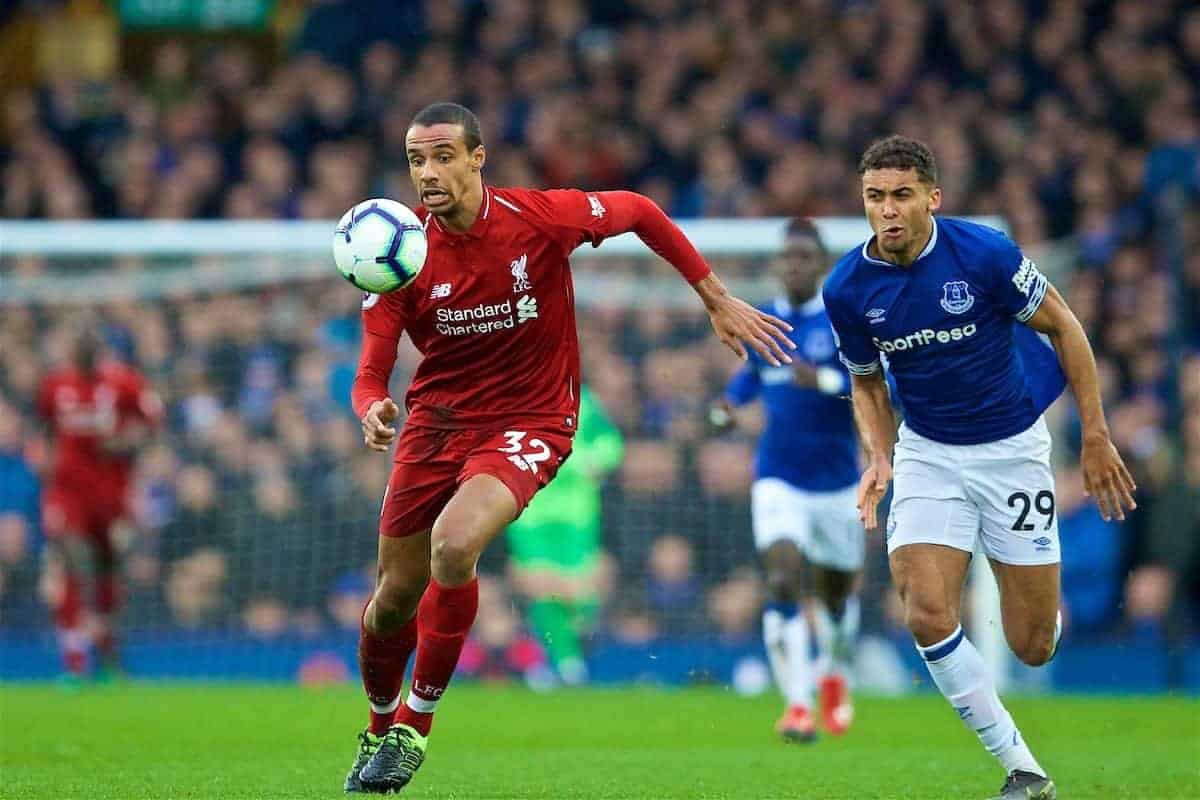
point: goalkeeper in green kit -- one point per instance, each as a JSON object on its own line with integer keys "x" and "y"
{"x": 555, "y": 543}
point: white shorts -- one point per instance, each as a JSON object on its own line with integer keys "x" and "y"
{"x": 1002, "y": 492}
{"x": 824, "y": 525}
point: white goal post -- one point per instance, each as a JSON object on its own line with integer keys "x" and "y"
{"x": 201, "y": 256}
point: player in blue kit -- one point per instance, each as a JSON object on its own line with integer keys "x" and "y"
{"x": 948, "y": 302}
{"x": 803, "y": 499}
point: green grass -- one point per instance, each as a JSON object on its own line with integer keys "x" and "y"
{"x": 136, "y": 741}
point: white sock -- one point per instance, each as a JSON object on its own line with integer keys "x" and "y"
{"x": 836, "y": 639}
{"x": 1058, "y": 628}
{"x": 420, "y": 704}
{"x": 800, "y": 666}
{"x": 785, "y": 633}
{"x": 959, "y": 673}
{"x": 777, "y": 657}
{"x": 385, "y": 709}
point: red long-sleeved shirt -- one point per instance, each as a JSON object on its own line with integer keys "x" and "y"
{"x": 493, "y": 310}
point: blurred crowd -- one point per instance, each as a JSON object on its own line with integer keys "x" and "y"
{"x": 1079, "y": 122}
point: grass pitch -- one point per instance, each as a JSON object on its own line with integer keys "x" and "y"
{"x": 137, "y": 741}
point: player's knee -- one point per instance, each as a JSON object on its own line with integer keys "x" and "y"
{"x": 1036, "y": 648}
{"x": 453, "y": 553}
{"x": 781, "y": 587}
{"x": 929, "y": 622}
{"x": 395, "y": 601}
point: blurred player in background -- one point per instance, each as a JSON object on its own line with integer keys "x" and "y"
{"x": 953, "y": 305}
{"x": 492, "y": 408}
{"x": 803, "y": 499}
{"x": 555, "y": 543}
{"x": 99, "y": 412}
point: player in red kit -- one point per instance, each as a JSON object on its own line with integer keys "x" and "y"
{"x": 491, "y": 409}
{"x": 98, "y": 412}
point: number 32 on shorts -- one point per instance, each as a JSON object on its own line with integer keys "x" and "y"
{"x": 537, "y": 452}
{"x": 1042, "y": 503}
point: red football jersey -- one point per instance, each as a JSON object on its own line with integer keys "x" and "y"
{"x": 493, "y": 310}
{"x": 83, "y": 412}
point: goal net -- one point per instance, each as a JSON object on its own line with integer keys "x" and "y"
{"x": 250, "y": 544}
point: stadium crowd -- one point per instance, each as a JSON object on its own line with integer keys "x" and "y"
{"x": 1078, "y": 122}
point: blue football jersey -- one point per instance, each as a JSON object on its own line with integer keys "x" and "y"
{"x": 809, "y": 438}
{"x": 950, "y": 324}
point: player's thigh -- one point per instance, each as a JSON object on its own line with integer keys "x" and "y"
{"x": 838, "y": 540}
{"x": 481, "y": 508}
{"x": 522, "y": 458}
{"x": 779, "y": 512}
{"x": 930, "y": 580}
{"x": 401, "y": 578}
{"x": 1029, "y": 603}
{"x": 929, "y": 499}
{"x": 422, "y": 481}
{"x": 1014, "y": 492}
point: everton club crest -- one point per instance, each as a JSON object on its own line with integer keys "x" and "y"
{"x": 956, "y": 297}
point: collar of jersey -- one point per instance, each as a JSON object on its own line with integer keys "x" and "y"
{"x": 933, "y": 237}
{"x": 784, "y": 308}
{"x": 478, "y": 227}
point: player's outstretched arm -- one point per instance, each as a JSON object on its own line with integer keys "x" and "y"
{"x": 1104, "y": 474}
{"x": 877, "y": 428}
{"x": 738, "y": 324}
{"x": 598, "y": 215}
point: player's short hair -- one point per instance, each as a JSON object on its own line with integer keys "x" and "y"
{"x": 452, "y": 114}
{"x": 900, "y": 152}
{"x": 803, "y": 226}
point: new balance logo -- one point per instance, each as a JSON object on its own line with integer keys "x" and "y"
{"x": 520, "y": 278}
{"x": 526, "y": 309}
{"x": 440, "y": 290}
{"x": 597, "y": 209}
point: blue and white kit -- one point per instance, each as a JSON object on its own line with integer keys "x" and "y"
{"x": 806, "y": 468}
{"x": 973, "y": 455}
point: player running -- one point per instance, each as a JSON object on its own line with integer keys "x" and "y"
{"x": 803, "y": 498}
{"x": 951, "y": 304}
{"x": 492, "y": 408}
{"x": 99, "y": 412}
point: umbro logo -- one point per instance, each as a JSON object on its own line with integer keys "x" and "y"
{"x": 876, "y": 316}
{"x": 440, "y": 290}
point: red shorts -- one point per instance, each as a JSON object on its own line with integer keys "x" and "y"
{"x": 431, "y": 464}
{"x": 81, "y": 512}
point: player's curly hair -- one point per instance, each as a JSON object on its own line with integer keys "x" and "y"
{"x": 452, "y": 114}
{"x": 803, "y": 226}
{"x": 900, "y": 152}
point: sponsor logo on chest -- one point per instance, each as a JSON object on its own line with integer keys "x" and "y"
{"x": 485, "y": 317}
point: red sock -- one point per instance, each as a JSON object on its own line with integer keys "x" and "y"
{"x": 445, "y": 616}
{"x": 382, "y": 661}
{"x": 108, "y": 593}
{"x": 68, "y": 620}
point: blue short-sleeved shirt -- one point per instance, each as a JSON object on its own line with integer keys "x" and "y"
{"x": 809, "y": 438}
{"x": 966, "y": 369}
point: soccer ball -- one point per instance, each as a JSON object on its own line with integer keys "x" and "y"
{"x": 379, "y": 246}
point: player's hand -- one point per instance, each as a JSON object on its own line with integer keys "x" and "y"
{"x": 376, "y": 424}
{"x": 738, "y": 324}
{"x": 804, "y": 374}
{"x": 871, "y": 488}
{"x": 720, "y": 415}
{"x": 1106, "y": 478}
